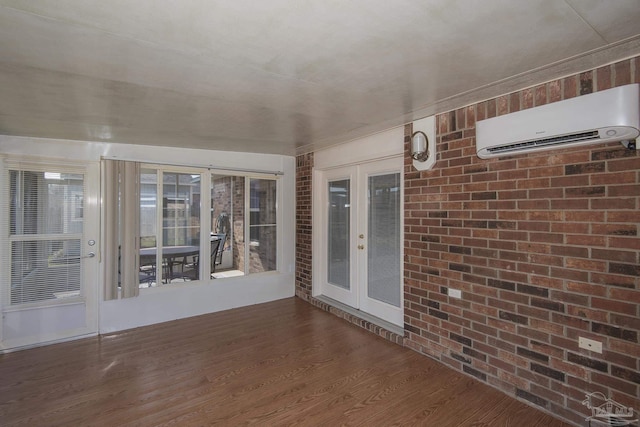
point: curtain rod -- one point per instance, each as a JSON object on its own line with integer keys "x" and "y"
{"x": 209, "y": 166}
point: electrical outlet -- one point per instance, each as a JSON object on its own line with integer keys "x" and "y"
{"x": 591, "y": 345}
{"x": 455, "y": 293}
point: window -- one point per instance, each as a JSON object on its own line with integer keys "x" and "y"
{"x": 262, "y": 225}
{"x": 231, "y": 220}
{"x": 185, "y": 237}
{"x": 227, "y": 212}
{"x": 178, "y": 221}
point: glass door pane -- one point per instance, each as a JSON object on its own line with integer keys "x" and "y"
{"x": 338, "y": 229}
{"x": 45, "y": 231}
{"x": 383, "y": 251}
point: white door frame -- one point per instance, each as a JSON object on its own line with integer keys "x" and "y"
{"x": 373, "y": 306}
{"x": 64, "y": 319}
{"x": 356, "y": 296}
{"x": 321, "y": 247}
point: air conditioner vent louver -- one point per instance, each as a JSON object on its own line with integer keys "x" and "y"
{"x": 555, "y": 140}
{"x": 611, "y": 115}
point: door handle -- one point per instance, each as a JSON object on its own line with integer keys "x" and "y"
{"x": 360, "y": 247}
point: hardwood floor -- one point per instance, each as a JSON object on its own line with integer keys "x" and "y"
{"x": 280, "y": 363}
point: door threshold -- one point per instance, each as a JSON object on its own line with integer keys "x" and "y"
{"x": 362, "y": 315}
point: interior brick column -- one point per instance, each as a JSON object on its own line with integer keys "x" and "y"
{"x": 304, "y": 168}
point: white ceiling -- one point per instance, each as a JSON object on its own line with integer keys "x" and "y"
{"x": 282, "y": 76}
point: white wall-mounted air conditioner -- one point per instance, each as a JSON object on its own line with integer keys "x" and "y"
{"x": 609, "y": 115}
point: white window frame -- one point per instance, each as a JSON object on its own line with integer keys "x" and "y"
{"x": 205, "y": 214}
{"x": 247, "y": 221}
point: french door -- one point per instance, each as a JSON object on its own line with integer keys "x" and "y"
{"x": 48, "y": 252}
{"x": 360, "y": 263}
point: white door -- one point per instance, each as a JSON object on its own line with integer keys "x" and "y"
{"x": 340, "y": 223}
{"x": 380, "y": 240}
{"x": 49, "y": 255}
{"x": 362, "y": 225}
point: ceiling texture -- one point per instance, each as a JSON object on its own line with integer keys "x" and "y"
{"x": 283, "y": 76}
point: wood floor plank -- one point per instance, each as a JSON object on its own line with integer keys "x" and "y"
{"x": 280, "y": 363}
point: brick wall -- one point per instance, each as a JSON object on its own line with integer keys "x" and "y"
{"x": 304, "y": 168}
{"x": 545, "y": 249}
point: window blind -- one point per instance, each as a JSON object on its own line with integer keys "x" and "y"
{"x": 42, "y": 210}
